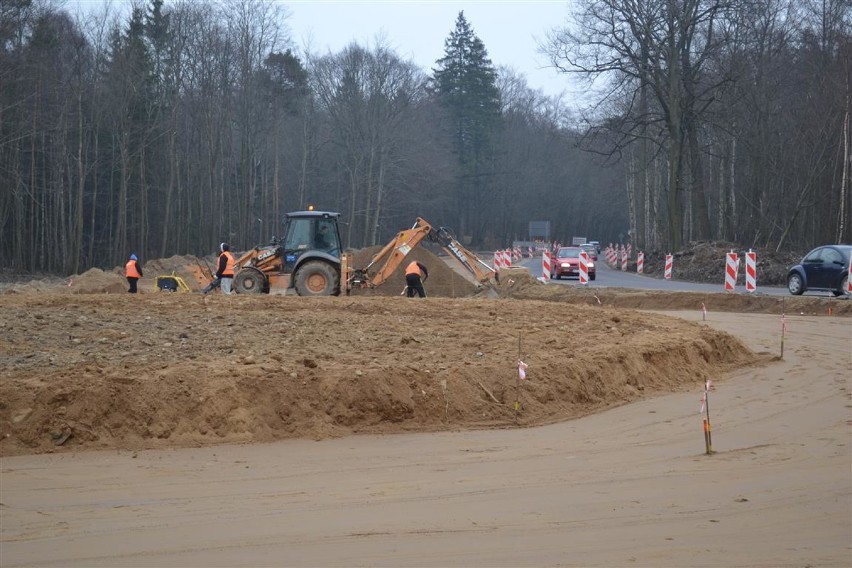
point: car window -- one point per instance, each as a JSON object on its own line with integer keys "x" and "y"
{"x": 568, "y": 253}
{"x": 814, "y": 257}
{"x": 830, "y": 255}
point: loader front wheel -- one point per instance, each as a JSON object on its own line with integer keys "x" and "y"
{"x": 249, "y": 281}
{"x": 316, "y": 278}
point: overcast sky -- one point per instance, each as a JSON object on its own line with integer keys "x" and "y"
{"x": 416, "y": 29}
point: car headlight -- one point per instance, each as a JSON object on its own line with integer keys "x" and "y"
{"x": 591, "y": 265}
{"x": 566, "y": 265}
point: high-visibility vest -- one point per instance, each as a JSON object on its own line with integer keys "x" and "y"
{"x": 130, "y": 270}
{"x": 413, "y": 269}
{"x": 229, "y": 266}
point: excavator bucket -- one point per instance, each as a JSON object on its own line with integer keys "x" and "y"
{"x": 197, "y": 275}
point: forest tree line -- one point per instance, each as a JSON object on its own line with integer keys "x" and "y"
{"x": 179, "y": 125}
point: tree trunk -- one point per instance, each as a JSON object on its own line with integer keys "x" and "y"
{"x": 673, "y": 201}
{"x": 843, "y": 207}
{"x": 700, "y": 216}
{"x": 77, "y": 243}
{"x": 170, "y": 184}
{"x": 380, "y": 189}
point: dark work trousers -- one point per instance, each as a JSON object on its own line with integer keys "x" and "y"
{"x": 212, "y": 286}
{"x": 132, "y": 282}
{"x": 414, "y": 285}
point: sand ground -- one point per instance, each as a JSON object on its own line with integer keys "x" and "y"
{"x": 627, "y": 486}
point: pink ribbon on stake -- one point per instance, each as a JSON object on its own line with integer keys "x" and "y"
{"x": 522, "y": 370}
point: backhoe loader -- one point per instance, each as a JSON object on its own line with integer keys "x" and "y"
{"x": 309, "y": 258}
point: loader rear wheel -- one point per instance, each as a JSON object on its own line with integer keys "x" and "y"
{"x": 249, "y": 281}
{"x": 316, "y": 278}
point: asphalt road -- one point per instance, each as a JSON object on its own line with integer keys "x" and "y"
{"x": 608, "y": 277}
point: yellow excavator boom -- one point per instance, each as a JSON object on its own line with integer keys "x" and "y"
{"x": 385, "y": 262}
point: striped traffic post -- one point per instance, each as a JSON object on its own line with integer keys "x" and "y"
{"x": 667, "y": 273}
{"x": 545, "y": 265}
{"x": 751, "y": 271}
{"x": 624, "y": 256}
{"x": 731, "y": 266}
{"x": 849, "y": 278}
{"x": 611, "y": 256}
{"x": 584, "y": 267}
{"x": 640, "y": 262}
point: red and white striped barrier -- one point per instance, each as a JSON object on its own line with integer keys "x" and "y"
{"x": 611, "y": 256}
{"x": 731, "y": 269}
{"x": 584, "y": 267}
{"x": 532, "y": 252}
{"x": 640, "y": 262}
{"x": 502, "y": 259}
{"x": 667, "y": 273}
{"x": 751, "y": 271}
{"x": 849, "y": 279}
{"x": 545, "y": 265}
{"x": 516, "y": 253}
{"x": 624, "y": 257}
{"x": 629, "y": 250}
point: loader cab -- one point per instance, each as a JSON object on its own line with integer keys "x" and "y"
{"x": 311, "y": 253}
{"x": 311, "y": 231}
{"x": 306, "y": 258}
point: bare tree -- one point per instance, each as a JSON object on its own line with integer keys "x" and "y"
{"x": 662, "y": 46}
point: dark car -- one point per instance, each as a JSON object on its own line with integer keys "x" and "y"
{"x": 566, "y": 262}
{"x": 591, "y": 250}
{"x": 824, "y": 268}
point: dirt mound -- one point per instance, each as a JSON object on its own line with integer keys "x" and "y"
{"x": 443, "y": 281}
{"x": 160, "y": 370}
{"x": 195, "y": 272}
{"x": 704, "y": 261}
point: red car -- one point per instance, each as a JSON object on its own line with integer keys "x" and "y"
{"x": 566, "y": 262}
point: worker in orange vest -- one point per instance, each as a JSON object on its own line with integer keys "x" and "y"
{"x": 132, "y": 272}
{"x": 224, "y": 271}
{"x": 414, "y": 272}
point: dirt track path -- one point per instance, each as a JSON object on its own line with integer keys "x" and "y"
{"x": 630, "y": 486}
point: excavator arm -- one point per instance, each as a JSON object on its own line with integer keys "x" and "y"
{"x": 481, "y": 271}
{"x": 387, "y": 260}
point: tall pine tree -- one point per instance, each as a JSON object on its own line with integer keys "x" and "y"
{"x": 465, "y": 84}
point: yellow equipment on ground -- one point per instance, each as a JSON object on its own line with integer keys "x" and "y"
{"x": 170, "y": 283}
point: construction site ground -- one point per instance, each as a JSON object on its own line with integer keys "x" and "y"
{"x": 88, "y": 367}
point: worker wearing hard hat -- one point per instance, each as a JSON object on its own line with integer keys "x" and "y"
{"x": 415, "y": 273}
{"x": 224, "y": 271}
{"x": 132, "y": 272}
